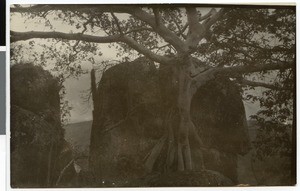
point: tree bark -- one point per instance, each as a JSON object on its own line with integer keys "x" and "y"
{"x": 184, "y": 105}
{"x": 179, "y": 135}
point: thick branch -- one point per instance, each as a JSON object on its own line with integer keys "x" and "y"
{"x": 193, "y": 19}
{"x": 202, "y": 18}
{"x": 199, "y": 31}
{"x": 258, "y": 84}
{"x": 34, "y": 8}
{"x": 210, "y": 74}
{"x": 196, "y": 30}
{"x": 214, "y": 18}
{"x": 157, "y": 16}
{"x": 163, "y": 31}
{"x": 134, "y": 10}
{"x": 210, "y": 13}
{"x": 19, "y": 36}
{"x": 258, "y": 68}
{"x": 74, "y": 7}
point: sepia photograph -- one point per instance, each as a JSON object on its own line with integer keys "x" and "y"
{"x": 152, "y": 95}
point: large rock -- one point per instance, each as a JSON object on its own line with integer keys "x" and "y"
{"x": 131, "y": 103}
{"x": 125, "y": 112}
{"x": 36, "y": 132}
{"x": 219, "y": 115}
{"x": 36, "y": 90}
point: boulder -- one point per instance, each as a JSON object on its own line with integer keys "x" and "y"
{"x": 218, "y": 113}
{"x": 36, "y": 132}
{"x": 34, "y": 149}
{"x": 125, "y": 111}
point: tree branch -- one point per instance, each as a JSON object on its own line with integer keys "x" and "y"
{"x": 163, "y": 31}
{"x": 180, "y": 32}
{"x": 74, "y": 7}
{"x": 258, "y": 68}
{"x": 117, "y": 22}
{"x": 19, "y": 36}
{"x": 210, "y": 13}
{"x": 193, "y": 19}
{"x": 202, "y": 18}
{"x": 210, "y": 74}
{"x": 157, "y": 16}
{"x": 214, "y": 18}
{"x": 34, "y": 8}
{"x": 243, "y": 81}
{"x": 139, "y": 29}
{"x": 134, "y": 10}
{"x": 89, "y": 21}
{"x": 198, "y": 31}
{"x": 185, "y": 27}
{"x": 133, "y": 44}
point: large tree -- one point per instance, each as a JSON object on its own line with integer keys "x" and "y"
{"x": 249, "y": 45}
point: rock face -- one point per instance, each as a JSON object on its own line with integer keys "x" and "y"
{"x": 219, "y": 115}
{"x": 129, "y": 118}
{"x": 36, "y": 133}
{"x": 124, "y": 113}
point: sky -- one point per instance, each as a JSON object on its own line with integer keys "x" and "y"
{"x": 77, "y": 89}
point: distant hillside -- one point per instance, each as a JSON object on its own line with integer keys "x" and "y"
{"x": 78, "y": 134}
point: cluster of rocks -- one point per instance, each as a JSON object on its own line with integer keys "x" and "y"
{"x": 129, "y": 118}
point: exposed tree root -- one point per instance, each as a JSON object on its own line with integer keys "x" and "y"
{"x": 154, "y": 153}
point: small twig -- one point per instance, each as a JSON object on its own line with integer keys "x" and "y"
{"x": 117, "y": 22}
{"x": 86, "y": 23}
{"x": 139, "y": 29}
{"x": 75, "y": 45}
{"x": 185, "y": 27}
{"x": 180, "y": 32}
{"x": 161, "y": 47}
{"x": 45, "y": 14}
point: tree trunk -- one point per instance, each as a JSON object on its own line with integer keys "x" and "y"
{"x": 184, "y": 105}
{"x": 179, "y": 135}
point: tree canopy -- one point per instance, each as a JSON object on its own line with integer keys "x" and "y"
{"x": 248, "y": 39}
